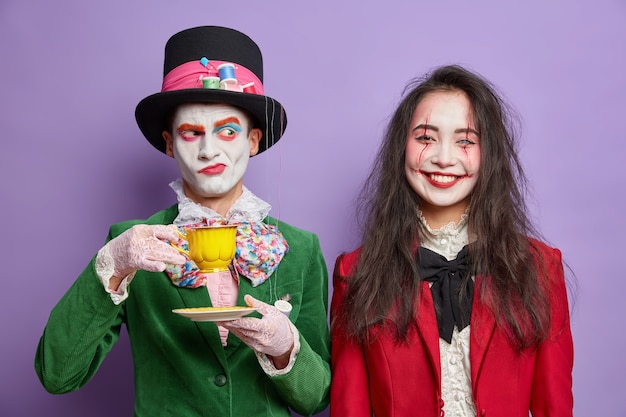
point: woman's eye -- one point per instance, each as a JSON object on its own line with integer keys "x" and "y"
{"x": 425, "y": 138}
{"x": 466, "y": 142}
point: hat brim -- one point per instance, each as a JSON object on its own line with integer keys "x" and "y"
{"x": 153, "y": 111}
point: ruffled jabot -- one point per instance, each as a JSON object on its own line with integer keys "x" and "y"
{"x": 448, "y": 240}
{"x": 248, "y": 208}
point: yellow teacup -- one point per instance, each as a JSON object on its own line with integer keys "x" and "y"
{"x": 212, "y": 248}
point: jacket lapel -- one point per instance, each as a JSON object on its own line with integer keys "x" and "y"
{"x": 428, "y": 330}
{"x": 199, "y": 297}
{"x": 482, "y": 328}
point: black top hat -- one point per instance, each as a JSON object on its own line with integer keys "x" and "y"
{"x": 211, "y": 64}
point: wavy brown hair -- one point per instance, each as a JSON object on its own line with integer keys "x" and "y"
{"x": 386, "y": 275}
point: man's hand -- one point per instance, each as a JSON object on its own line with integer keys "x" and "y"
{"x": 270, "y": 334}
{"x": 143, "y": 247}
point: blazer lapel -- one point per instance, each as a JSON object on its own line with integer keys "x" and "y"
{"x": 199, "y": 297}
{"x": 483, "y": 324}
{"x": 428, "y": 330}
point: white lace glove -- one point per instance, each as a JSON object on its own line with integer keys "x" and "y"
{"x": 270, "y": 334}
{"x": 142, "y": 247}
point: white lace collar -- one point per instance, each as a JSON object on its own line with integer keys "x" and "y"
{"x": 448, "y": 240}
{"x": 247, "y": 208}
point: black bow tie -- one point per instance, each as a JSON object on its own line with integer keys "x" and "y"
{"x": 447, "y": 277}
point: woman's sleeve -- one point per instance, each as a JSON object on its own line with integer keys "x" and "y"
{"x": 349, "y": 392}
{"x": 552, "y": 382}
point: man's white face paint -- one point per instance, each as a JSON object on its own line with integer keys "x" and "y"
{"x": 212, "y": 146}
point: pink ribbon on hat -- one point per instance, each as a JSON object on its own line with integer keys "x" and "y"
{"x": 190, "y": 75}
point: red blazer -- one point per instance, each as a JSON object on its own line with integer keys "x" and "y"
{"x": 394, "y": 380}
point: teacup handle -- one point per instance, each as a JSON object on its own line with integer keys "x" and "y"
{"x": 181, "y": 250}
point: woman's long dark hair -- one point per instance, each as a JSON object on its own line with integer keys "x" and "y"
{"x": 386, "y": 275}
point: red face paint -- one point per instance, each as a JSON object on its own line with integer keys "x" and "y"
{"x": 225, "y": 121}
{"x": 424, "y": 133}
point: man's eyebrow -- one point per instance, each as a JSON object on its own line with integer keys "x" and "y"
{"x": 227, "y": 120}
{"x": 189, "y": 126}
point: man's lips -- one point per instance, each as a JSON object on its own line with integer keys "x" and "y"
{"x": 213, "y": 169}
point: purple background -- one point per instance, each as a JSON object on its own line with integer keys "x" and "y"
{"x": 73, "y": 160}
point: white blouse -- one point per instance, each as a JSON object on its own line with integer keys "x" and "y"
{"x": 456, "y": 387}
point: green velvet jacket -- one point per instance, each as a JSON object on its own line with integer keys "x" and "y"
{"x": 180, "y": 366}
